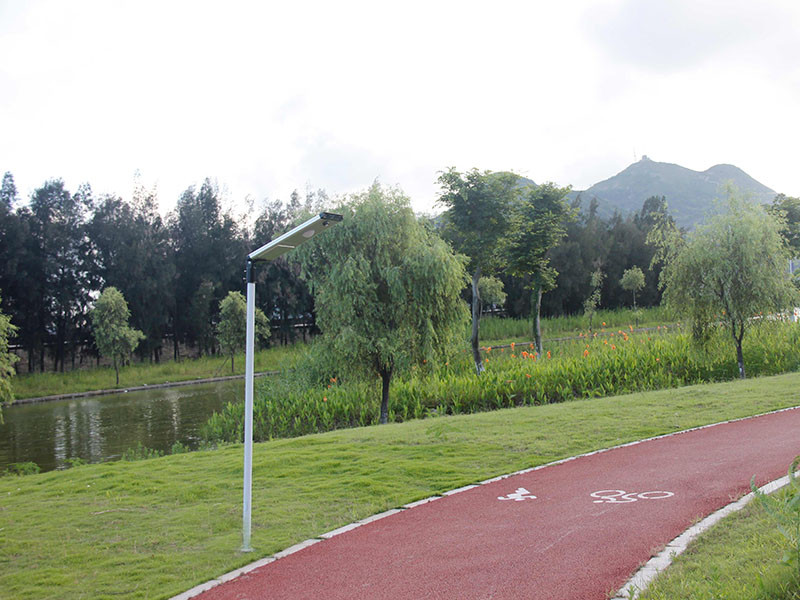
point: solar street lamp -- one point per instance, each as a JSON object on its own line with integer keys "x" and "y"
{"x": 277, "y": 247}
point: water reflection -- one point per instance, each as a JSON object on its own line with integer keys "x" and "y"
{"x": 101, "y": 428}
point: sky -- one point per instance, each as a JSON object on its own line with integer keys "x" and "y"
{"x": 268, "y": 97}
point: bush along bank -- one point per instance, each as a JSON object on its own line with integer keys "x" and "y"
{"x": 593, "y": 366}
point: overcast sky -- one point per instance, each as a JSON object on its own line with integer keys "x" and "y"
{"x": 267, "y": 97}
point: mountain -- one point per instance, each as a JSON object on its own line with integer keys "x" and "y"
{"x": 690, "y": 194}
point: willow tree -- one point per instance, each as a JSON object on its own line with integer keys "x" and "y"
{"x": 475, "y": 220}
{"x": 114, "y": 338}
{"x": 537, "y": 223}
{"x": 386, "y": 288}
{"x": 731, "y": 269}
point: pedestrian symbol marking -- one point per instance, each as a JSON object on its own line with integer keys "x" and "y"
{"x": 623, "y": 497}
{"x": 518, "y": 496}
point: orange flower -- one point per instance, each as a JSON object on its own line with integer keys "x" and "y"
{"x": 631, "y": 326}
{"x": 487, "y": 360}
{"x": 586, "y": 353}
{"x": 531, "y": 346}
{"x": 527, "y": 375}
{"x": 524, "y": 354}
{"x": 447, "y": 364}
{"x": 424, "y": 361}
{"x": 658, "y": 360}
{"x": 512, "y": 345}
{"x": 502, "y": 349}
{"x": 513, "y": 356}
{"x": 548, "y": 354}
{"x": 613, "y": 347}
{"x": 605, "y": 342}
{"x": 333, "y": 379}
{"x": 488, "y": 348}
{"x": 604, "y": 323}
{"x": 324, "y": 398}
{"x": 612, "y": 335}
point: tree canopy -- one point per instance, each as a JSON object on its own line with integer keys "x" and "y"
{"x": 387, "y": 289}
{"x": 232, "y": 326}
{"x": 732, "y": 269}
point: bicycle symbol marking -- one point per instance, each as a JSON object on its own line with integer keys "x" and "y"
{"x": 623, "y": 497}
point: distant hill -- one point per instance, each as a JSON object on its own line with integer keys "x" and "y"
{"x": 690, "y": 194}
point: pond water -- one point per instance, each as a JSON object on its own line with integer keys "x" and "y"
{"x": 101, "y": 428}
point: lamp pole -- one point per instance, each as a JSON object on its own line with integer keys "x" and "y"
{"x": 270, "y": 251}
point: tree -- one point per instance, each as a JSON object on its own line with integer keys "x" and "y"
{"x": 731, "y": 269}
{"x": 387, "y": 289}
{"x": 788, "y": 209}
{"x": 112, "y": 334}
{"x": 475, "y": 219}
{"x": 538, "y": 222}
{"x": 593, "y": 301}
{"x": 632, "y": 281}
{"x": 7, "y": 360}
{"x": 233, "y": 324}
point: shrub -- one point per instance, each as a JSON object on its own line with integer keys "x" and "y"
{"x": 22, "y": 468}
{"x": 140, "y": 452}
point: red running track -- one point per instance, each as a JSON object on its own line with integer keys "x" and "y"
{"x": 568, "y": 542}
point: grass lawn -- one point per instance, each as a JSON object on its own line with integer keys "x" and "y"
{"x": 154, "y": 528}
{"x": 737, "y": 559}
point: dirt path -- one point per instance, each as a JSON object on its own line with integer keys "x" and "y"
{"x": 574, "y": 530}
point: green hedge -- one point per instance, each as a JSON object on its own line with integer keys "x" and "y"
{"x": 608, "y": 364}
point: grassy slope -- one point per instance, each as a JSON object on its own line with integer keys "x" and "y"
{"x": 735, "y": 560}
{"x": 154, "y": 528}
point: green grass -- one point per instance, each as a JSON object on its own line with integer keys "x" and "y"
{"x": 494, "y": 331}
{"x": 154, "y": 528}
{"x": 35, "y": 385}
{"x": 737, "y": 559}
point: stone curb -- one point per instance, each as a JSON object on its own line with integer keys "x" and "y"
{"x": 647, "y": 573}
{"x": 640, "y": 579}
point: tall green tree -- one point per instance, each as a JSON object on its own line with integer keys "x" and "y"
{"x": 210, "y": 249}
{"x": 387, "y": 288}
{"x": 112, "y": 334}
{"x": 537, "y": 224}
{"x": 132, "y": 252}
{"x": 732, "y": 268}
{"x": 7, "y": 360}
{"x": 476, "y": 217}
{"x": 58, "y": 257}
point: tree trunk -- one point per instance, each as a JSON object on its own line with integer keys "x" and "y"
{"x": 232, "y": 370}
{"x": 536, "y": 306}
{"x": 737, "y": 338}
{"x": 634, "y": 299}
{"x": 386, "y": 377}
{"x": 476, "y": 319}
{"x": 740, "y": 358}
{"x": 116, "y": 369}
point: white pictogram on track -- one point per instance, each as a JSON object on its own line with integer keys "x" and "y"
{"x": 520, "y": 495}
{"x": 622, "y": 497}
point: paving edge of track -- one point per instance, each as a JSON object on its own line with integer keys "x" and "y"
{"x": 632, "y": 588}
